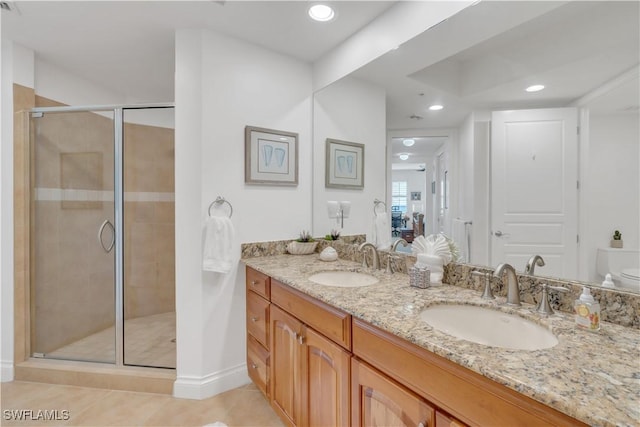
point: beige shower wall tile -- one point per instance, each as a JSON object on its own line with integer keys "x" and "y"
{"x": 165, "y": 212}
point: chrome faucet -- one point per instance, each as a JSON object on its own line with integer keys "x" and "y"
{"x": 531, "y": 264}
{"x": 397, "y": 242}
{"x": 513, "y": 287}
{"x": 374, "y": 251}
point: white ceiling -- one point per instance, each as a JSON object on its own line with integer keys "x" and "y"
{"x": 480, "y": 59}
{"x": 483, "y": 58}
{"x": 128, "y": 46}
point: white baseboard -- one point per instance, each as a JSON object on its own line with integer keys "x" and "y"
{"x": 189, "y": 387}
{"x": 6, "y": 371}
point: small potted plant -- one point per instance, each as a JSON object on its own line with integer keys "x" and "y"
{"x": 305, "y": 244}
{"x": 334, "y": 235}
{"x": 616, "y": 241}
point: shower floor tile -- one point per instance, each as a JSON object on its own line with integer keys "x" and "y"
{"x": 148, "y": 341}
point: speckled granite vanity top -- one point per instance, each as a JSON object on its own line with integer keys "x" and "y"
{"x": 593, "y": 377}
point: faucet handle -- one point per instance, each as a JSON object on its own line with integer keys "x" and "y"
{"x": 389, "y": 269}
{"x": 544, "y": 307}
{"x": 487, "y": 293}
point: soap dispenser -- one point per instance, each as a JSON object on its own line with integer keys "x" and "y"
{"x": 587, "y": 311}
{"x": 608, "y": 283}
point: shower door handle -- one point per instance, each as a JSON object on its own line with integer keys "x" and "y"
{"x": 107, "y": 249}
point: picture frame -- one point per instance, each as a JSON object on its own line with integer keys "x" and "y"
{"x": 416, "y": 195}
{"x": 271, "y": 157}
{"x": 344, "y": 167}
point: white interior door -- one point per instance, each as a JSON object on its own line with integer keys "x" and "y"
{"x": 534, "y": 175}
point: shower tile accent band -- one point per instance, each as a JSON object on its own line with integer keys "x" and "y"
{"x": 67, "y": 194}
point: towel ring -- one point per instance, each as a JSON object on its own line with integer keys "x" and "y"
{"x": 377, "y": 202}
{"x": 218, "y": 201}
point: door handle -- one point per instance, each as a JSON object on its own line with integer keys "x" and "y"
{"x": 501, "y": 234}
{"x": 106, "y": 223}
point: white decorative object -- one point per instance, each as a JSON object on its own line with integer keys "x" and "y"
{"x": 433, "y": 252}
{"x": 301, "y": 248}
{"x": 328, "y": 254}
{"x": 435, "y": 264}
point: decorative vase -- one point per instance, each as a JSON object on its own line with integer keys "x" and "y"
{"x": 301, "y": 248}
{"x": 616, "y": 243}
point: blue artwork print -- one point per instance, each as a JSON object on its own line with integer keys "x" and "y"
{"x": 346, "y": 162}
{"x": 273, "y": 156}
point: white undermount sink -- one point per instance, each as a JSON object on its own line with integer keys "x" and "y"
{"x": 489, "y": 327}
{"x": 344, "y": 279}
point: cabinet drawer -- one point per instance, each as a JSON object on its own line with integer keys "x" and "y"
{"x": 258, "y": 318}
{"x": 331, "y": 322}
{"x": 443, "y": 420}
{"x": 258, "y": 364}
{"x": 258, "y": 282}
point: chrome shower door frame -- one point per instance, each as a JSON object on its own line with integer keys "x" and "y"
{"x": 118, "y": 190}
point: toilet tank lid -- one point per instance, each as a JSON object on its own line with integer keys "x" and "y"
{"x": 631, "y": 273}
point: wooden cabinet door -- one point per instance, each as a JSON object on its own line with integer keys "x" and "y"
{"x": 285, "y": 366}
{"x": 379, "y": 401}
{"x": 326, "y": 370}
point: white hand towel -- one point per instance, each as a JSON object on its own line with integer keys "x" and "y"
{"x": 218, "y": 245}
{"x": 381, "y": 231}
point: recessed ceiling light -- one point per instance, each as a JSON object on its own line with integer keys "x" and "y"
{"x": 535, "y": 88}
{"x": 408, "y": 142}
{"x": 321, "y": 12}
{"x": 403, "y": 156}
{"x": 436, "y": 107}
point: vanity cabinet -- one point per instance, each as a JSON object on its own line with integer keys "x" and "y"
{"x": 257, "y": 319}
{"x": 378, "y": 401}
{"x": 309, "y": 372}
{"x": 467, "y": 395}
{"x": 320, "y": 367}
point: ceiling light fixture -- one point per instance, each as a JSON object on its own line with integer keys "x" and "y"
{"x": 403, "y": 156}
{"x": 321, "y": 12}
{"x": 436, "y": 107}
{"x": 408, "y": 142}
{"x": 535, "y": 88}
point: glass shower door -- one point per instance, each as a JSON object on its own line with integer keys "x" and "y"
{"x": 148, "y": 239}
{"x": 73, "y": 236}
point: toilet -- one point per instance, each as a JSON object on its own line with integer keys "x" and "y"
{"x": 622, "y": 264}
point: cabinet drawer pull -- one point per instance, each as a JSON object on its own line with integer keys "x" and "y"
{"x": 255, "y": 319}
{"x": 421, "y": 425}
{"x": 300, "y": 339}
{"x": 254, "y": 283}
{"x": 254, "y": 366}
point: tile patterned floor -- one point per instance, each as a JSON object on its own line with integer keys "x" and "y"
{"x": 244, "y": 406}
{"x": 148, "y": 341}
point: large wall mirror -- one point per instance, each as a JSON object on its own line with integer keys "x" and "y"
{"x": 477, "y": 65}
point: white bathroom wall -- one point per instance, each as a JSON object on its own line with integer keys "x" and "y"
{"x": 349, "y": 110}
{"x": 613, "y": 183}
{"x": 466, "y": 150}
{"x": 480, "y": 229}
{"x": 222, "y": 85}
{"x": 6, "y": 211}
{"x": 56, "y": 83}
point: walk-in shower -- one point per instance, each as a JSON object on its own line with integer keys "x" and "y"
{"x": 102, "y": 267}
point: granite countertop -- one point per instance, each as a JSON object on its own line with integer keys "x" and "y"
{"x": 593, "y": 377}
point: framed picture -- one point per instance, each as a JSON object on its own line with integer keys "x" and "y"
{"x": 416, "y": 195}
{"x": 344, "y": 164}
{"x": 270, "y": 156}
